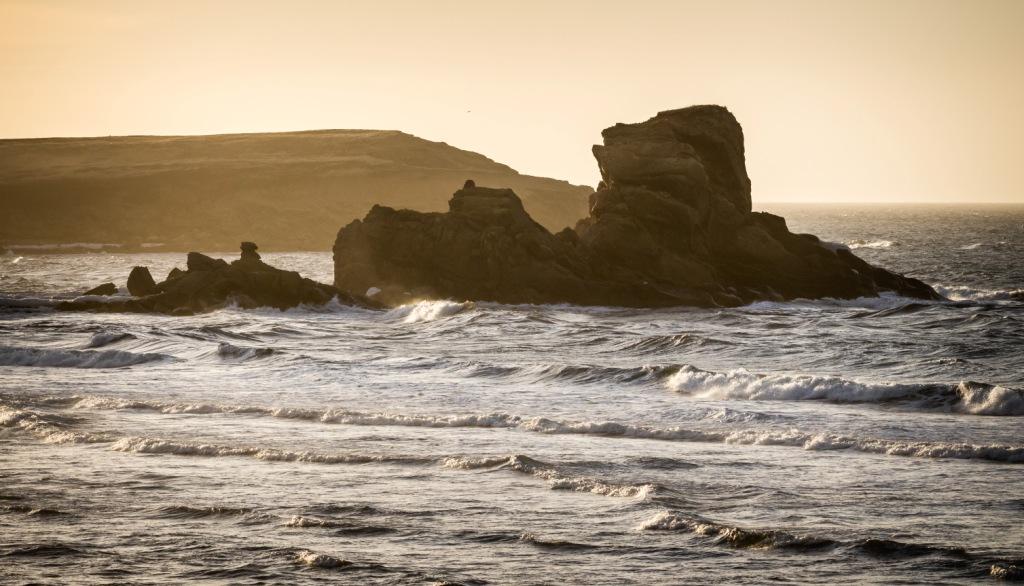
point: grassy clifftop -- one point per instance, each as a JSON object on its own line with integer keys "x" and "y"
{"x": 286, "y": 191}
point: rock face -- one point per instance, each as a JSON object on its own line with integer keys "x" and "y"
{"x": 210, "y": 284}
{"x": 141, "y": 283}
{"x": 670, "y": 224}
{"x": 104, "y": 289}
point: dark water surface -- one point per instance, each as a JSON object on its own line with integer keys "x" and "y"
{"x": 874, "y": 440}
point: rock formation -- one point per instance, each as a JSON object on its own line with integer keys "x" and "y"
{"x": 211, "y": 283}
{"x": 141, "y": 283}
{"x": 105, "y": 289}
{"x": 670, "y": 224}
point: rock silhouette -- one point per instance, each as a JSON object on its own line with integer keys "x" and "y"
{"x": 211, "y": 284}
{"x": 670, "y": 224}
{"x": 141, "y": 283}
{"x": 104, "y": 289}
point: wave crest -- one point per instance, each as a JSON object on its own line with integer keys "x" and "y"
{"x": 44, "y": 357}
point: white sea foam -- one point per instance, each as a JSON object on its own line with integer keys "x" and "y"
{"x": 963, "y": 293}
{"x": 971, "y": 398}
{"x": 423, "y": 311}
{"x": 320, "y": 560}
{"x": 740, "y": 384}
{"x": 46, "y": 357}
{"x": 872, "y": 244}
{"x": 989, "y": 400}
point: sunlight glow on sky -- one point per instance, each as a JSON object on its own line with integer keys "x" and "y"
{"x": 900, "y": 100}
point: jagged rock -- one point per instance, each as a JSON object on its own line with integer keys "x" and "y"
{"x": 141, "y": 283}
{"x": 249, "y": 252}
{"x": 104, "y": 289}
{"x": 210, "y": 284}
{"x": 670, "y": 224}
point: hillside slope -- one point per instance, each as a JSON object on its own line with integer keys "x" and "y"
{"x": 286, "y": 191}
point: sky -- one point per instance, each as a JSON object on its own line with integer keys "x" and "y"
{"x": 859, "y": 101}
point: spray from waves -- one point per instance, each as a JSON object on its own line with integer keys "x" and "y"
{"x": 101, "y": 339}
{"x": 42, "y": 357}
{"x": 556, "y": 479}
{"x": 966, "y": 397}
{"x": 424, "y": 311}
{"x": 872, "y": 244}
{"x": 963, "y": 293}
{"x": 766, "y": 437}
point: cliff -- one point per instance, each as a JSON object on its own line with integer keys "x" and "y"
{"x": 286, "y": 190}
{"x": 670, "y": 224}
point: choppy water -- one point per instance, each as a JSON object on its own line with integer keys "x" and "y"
{"x": 876, "y": 440}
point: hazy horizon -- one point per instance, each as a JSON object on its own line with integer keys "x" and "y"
{"x": 905, "y": 102}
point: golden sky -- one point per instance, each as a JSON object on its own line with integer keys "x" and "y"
{"x": 897, "y": 100}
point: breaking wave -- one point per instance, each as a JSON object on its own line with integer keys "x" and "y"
{"x": 143, "y": 445}
{"x": 423, "y": 311}
{"x": 966, "y": 397}
{"x": 53, "y": 429}
{"x": 872, "y": 244}
{"x": 963, "y": 293}
{"x": 43, "y": 357}
{"x": 768, "y": 437}
{"x": 556, "y": 479}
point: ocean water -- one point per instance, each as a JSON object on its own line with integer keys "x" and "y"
{"x": 871, "y": 440}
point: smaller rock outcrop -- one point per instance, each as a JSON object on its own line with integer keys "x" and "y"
{"x": 141, "y": 283}
{"x": 211, "y": 283}
{"x": 105, "y": 289}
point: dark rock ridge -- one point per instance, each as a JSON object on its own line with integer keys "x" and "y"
{"x": 670, "y": 224}
{"x": 212, "y": 283}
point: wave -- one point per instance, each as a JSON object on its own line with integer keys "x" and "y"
{"x": 424, "y": 311}
{"x": 101, "y": 339}
{"x": 242, "y": 354}
{"x": 144, "y": 445}
{"x": 965, "y": 397}
{"x": 743, "y": 538}
{"x": 872, "y": 244}
{"x": 190, "y": 512}
{"x": 556, "y": 479}
{"x": 52, "y": 429}
{"x": 964, "y": 293}
{"x": 733, "y": 536}
{"x": 340, "y": 527}
{"x": 43, "y": 357}
{"x": 320, "y": 560}
{"x": 788, "y": 437}
{"x": 337, "y": 416}
{"x": 657, "y": 344}
{"x": 995, "y": 401}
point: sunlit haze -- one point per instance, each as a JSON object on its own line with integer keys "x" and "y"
{"x": 915, "y": 101}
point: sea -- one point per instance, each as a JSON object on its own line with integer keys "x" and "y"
{"x": 874, "y": 440}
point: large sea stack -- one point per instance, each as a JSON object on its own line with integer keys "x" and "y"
{"x": 670, "y": 224}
